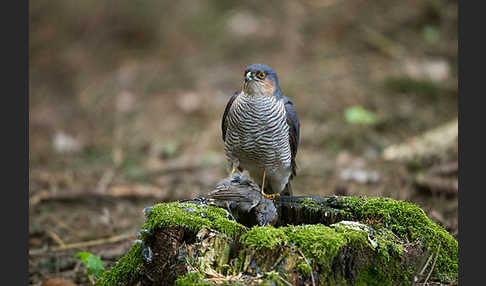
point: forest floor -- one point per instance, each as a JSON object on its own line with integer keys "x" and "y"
{"x": 124, "y": 117}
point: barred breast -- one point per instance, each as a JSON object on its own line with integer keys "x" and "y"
{"x": 257, "y": 134}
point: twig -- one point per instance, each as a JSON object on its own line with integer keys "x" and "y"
{"x": 285, "y": 281}
{"x": 426, "y": 264}
{"x": 84, "y": 244}
{"x": 437, "y": 183}
{"x": 56, "y": 238}
{"x": 433, "y": 264}
{"x": 305, "y": 259}
{"x": 63, "y": 225}
{"x": 37, "y": 198}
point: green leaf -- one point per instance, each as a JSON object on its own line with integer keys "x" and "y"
{"x": 431, "y": 34}
{"x": 92, "y": 262}
{"x": 359, "y": 115}
{"x": 169, "y": 150}
{"x": 83, "y": 255}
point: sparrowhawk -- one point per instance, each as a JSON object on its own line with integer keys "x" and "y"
{"x": 261, "y": 131}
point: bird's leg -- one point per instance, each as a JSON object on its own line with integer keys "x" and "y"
{"x": 235, "y": 165}
{"x": 268, "y": 196}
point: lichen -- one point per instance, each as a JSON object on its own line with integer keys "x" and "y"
{"x": 382, "y": 240}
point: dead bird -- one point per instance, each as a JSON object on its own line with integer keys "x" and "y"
{"x": 243, "y": 199}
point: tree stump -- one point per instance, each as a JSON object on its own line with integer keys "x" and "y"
{"x": 315, "y": 241}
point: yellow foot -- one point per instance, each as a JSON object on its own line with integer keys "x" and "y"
{"x": 270, "y": 196}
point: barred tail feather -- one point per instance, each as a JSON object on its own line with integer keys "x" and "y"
{"x": 287, "y": 191}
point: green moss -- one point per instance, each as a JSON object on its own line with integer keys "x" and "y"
{"x": 393, "y": 274}
{"x": 388, "y": 243}
{"x": 310, "y": 204}
{"x": 382, "y": 240}
{"x": 409, "y": 222}
{"x": 318, "y": 242}
{"x": 272, "y": 279}
{"x": 127, "y": 269}
{"x": 393, "y": 223}
{"x": 193, "y": 217}
{"x": 190, "y": 216}
{"x": 228, "y": 227}
{"x": 372, "y": 276}
{"x": 264, "y": 237}
{"x": 304, "y": 269}
{"x": 191, "y": 279}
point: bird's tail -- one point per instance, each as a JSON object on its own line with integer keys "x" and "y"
{"x": 287, "y": 191}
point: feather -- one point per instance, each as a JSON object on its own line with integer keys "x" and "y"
{"x": 294, "y": 130}
{"x": 225, "y": 114}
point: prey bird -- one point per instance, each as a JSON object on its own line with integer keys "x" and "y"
{"x": 261, "y": 132}
{"x": 241, "y": 196}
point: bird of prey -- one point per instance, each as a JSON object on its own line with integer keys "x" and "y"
{"x": 261, "y": 132}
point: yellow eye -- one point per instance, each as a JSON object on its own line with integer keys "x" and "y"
{"x": 261, "y": 75}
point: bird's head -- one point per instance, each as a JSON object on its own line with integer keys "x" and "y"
{"x": 260, "y": 79}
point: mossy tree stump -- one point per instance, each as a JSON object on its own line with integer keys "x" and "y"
{"x": 316, "y": 241}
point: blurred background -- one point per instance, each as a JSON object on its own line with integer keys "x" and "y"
{"x": 126, "y": 100}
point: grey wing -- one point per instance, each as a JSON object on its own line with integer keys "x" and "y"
{"x": 225, "y": 114}
{"x": 230, "y": 195}
{"x": 294, "y": 131}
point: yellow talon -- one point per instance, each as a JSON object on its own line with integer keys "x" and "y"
{"x": 271, "y": 196}
{"x": 268, "y": 196}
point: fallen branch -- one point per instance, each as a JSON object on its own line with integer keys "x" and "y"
{"x": 437, "y": 183}
{"x": 84, "y": 244}
{"x": 113, "y": 192}
{"x": 437, "y": 142}
{"x": 56, "y": 238}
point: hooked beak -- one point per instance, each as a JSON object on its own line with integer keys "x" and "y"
{"x": 248, "y": 76}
